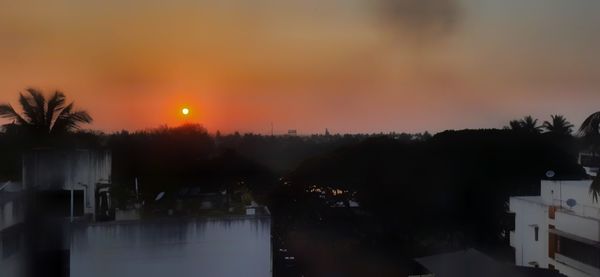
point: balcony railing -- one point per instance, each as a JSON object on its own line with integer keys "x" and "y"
{"x": 575, "y": 264}
{"x": 574, "y": 251}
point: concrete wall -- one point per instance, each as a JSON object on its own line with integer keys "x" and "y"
{"x": 583, "y": 219}
{"x": 13, "y": 266}
{"x": 133, "y": 214}
{"x": 584, "y": 227}
{"x": 10, "y": 216}
{"x": 239, "y": 246}
{"x": 530, "y": 212}
{"x": 558, "y": 192}
{"x": 7, "y": 215}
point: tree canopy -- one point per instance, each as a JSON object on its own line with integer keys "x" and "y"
{"x": 558, "y": 126}
{"x": 42, "y": 116}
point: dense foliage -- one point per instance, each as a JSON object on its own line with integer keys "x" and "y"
{"x": 418, "y": 194}
{"x": 455, "y": 185}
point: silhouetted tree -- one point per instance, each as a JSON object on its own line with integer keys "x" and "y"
{"x": 559, "y": 126}
{"x": 514, "y": 125}
{"x": 43, "y": 117}
{"x": 467, "y": 194}
{"x": 527, "y": 125}
{"x": 590, "y": 130}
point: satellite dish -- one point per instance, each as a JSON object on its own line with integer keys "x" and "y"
{"x": 159, "y": 196}
{"x": 571, "y": 202}
{"x": 550, "y": 174}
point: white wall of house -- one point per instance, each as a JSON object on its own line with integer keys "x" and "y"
{"x": 571, "y": 271}
{"x": 530, "y": 212}
{"x": 584, "y": 227}
{"x": 580, "y": 221}
{"x": 558, "y": 192}
{"x": 217, "y": 247}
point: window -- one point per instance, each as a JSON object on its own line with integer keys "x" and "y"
{"x": 585, "y": 253}
{"x": 536, "y": 231}
{"x": 58, "y": 202}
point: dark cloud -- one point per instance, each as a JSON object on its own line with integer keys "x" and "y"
{"x": 422, "y": 18}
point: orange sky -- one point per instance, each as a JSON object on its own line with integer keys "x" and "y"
{"x": 350, "y": 66}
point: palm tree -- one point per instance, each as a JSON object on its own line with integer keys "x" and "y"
{"x": 590, "y": 130}
{"x": 43, "y": 118}
{"x": 527, "y": 125}
{"x": 559, "y": 126}
{"x": 514, "y": 125}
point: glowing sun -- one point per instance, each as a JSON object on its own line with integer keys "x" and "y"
{"x": 185, "y": 111}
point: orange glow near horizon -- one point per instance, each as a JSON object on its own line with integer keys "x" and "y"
{"x": 349, "y": 66}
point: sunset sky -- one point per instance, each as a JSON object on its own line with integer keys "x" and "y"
{"x": 346, "y": 65}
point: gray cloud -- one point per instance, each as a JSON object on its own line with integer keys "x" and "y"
{"x": 421, "y": 18}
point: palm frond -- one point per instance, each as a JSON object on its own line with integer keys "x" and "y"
{"x": 548, "y": 126}
{"x": 590, "y": 131}
{"x": 526, "y": 125}
{"x": 44, "y": 117}
{"x": 591, "y": 125}
{"x": 69, "y": 119}
{"x": 28, "y": 106}
{"x": 81, "y": 117}
{"x": 558, "y": 126}
{"x": 562, "y": 121}
{"x": 39, "y": 103}
{"x": 55, "y": 104}
{"x": 7, "y": 111}
{"x": 514, "y": 125}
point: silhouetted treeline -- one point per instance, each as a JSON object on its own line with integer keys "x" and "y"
{"x": 166, "y": 159}
{"x": 282, "y": 154}
{"x": 449, "y": 191}
{"x": 417, "y": 192}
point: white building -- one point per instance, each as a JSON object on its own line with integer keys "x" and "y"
{"x": 218, "y": 246}
{"x": 559, "y": 229}
{"x": 66, "y": 180}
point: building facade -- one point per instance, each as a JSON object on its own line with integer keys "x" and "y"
{"x": 66, "y": 181}
{"x": 559, "y": 229}
{"x": 11, "y": 229}
{"x": 218, "y": 246}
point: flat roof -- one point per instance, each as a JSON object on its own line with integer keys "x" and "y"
{"x": 471, "y": 262}
{"x": 531, "y": 199}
